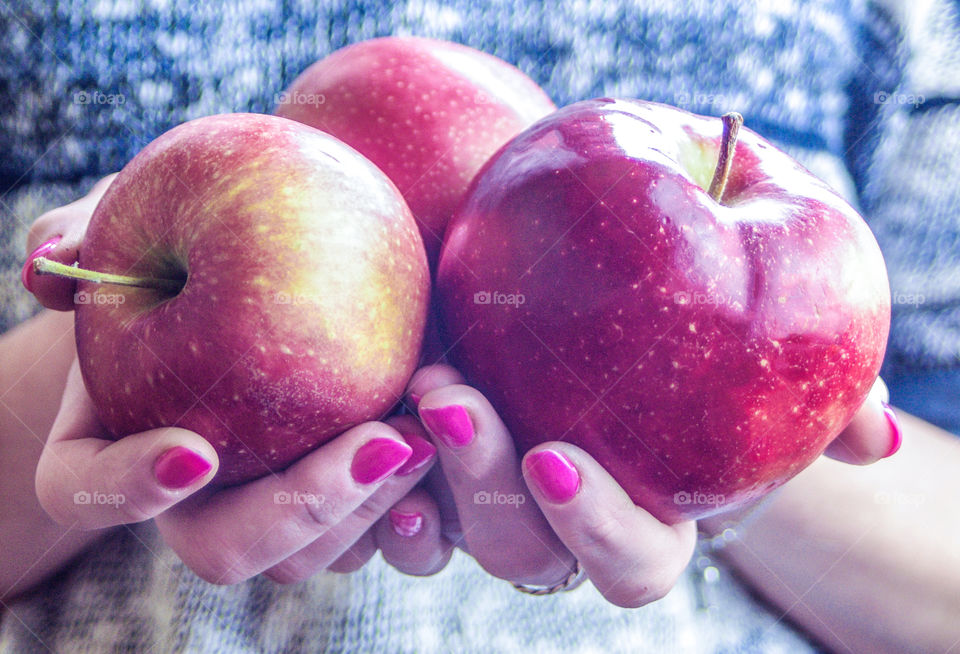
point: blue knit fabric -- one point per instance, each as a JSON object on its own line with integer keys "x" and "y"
{"x": 865, "y": 97}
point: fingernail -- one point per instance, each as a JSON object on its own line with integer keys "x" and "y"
{"x": 26, "y": 273}
{"x": 423, "y": 451}
{"x": 378, "y": 459}
{"x": 451, "y": 424}
{"x": 896, "y": 434}
{"x": 553, "y": 473}
{"x": 414, "y": 400}
{"x": 180, "y": 467}
{"x": 406, "y": 524}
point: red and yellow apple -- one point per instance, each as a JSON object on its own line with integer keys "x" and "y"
{"x": 280, "y": 290}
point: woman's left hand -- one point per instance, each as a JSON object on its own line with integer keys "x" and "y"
{"x": 530, "y": 521}
{"x": 527, "y": 521}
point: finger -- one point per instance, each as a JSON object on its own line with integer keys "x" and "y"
{"x": 70, "y": 220}
{"x": 239, "y": 532}
{"x": 504, "y": 531}
{"x": 351, "y": 533}
{"x": 57, "y": 235}
{"x": 873, "y": 434}
{"x": 356, "y": 556}
{"x": 85, "y": 477}
{"x": 410, "y": 536}
{"x": 630, "y": 556}
{"x": 435, "y": 482}
{"x": 427, "y": 379}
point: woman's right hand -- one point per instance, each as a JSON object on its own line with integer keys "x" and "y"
{"x": 57, "y": 235}
{"x": 316, "y": 514}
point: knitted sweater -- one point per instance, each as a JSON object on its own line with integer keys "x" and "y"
{"x": 865, "y": 95}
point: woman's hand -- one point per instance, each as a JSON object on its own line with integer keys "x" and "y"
{"x": 530, "y": 520}
{"x": 57, "y": 235}
{"x": 317, "y": 514}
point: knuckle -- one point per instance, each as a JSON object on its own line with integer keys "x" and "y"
{"x": 287, "y": 573}
{"x": 48, "y": 497}
{"x": 217, "y": 565}
{"x": 638, "y": 588}
{"x": 537, "y": 565}
{"x": 313, "y": 517}
{"x": 211, "y": 556}
{"x": 138, "y": 502}
{"x": 372, "y": 509}
{"x": 597, "y": 533}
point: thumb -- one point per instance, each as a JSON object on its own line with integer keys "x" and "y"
{"x": 84, "y": 477}
{"x": 873, "y": 434}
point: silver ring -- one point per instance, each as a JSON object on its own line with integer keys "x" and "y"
{"x": 576, "y": 577}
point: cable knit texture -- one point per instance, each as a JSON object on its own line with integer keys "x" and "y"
{"x": 865, "y": 95}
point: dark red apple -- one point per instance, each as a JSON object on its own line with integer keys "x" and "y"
{"x": 280, "y": 289}
{"x": 428, "y": 113}
{"x": 703, "y": 346}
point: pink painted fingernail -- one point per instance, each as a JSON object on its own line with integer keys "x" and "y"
{"x": 180, "y": 467}
{"x": 406, "y": 524}
{"x": 26, "y": 273}
{"x": 896, "y": 434}
{"x": 423, "y": 451}
{"x": 451, "y": 424}
{"x": 553, "y": 473}
{"x": 377, "y": 459}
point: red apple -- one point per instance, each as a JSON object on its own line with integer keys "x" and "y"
{"x": 428, "y": 113}
{"x": 280, "y": 295}
{"x": 704, "y": 345}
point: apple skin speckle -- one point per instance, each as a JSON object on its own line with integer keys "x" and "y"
{"x": 752, "y": 328}
{"x": 448, "y": 109}
{"x": 342, "y": 273}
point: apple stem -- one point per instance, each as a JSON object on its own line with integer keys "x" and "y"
{"x": 44, "y": 266}
{"x": 728, "y": 144}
